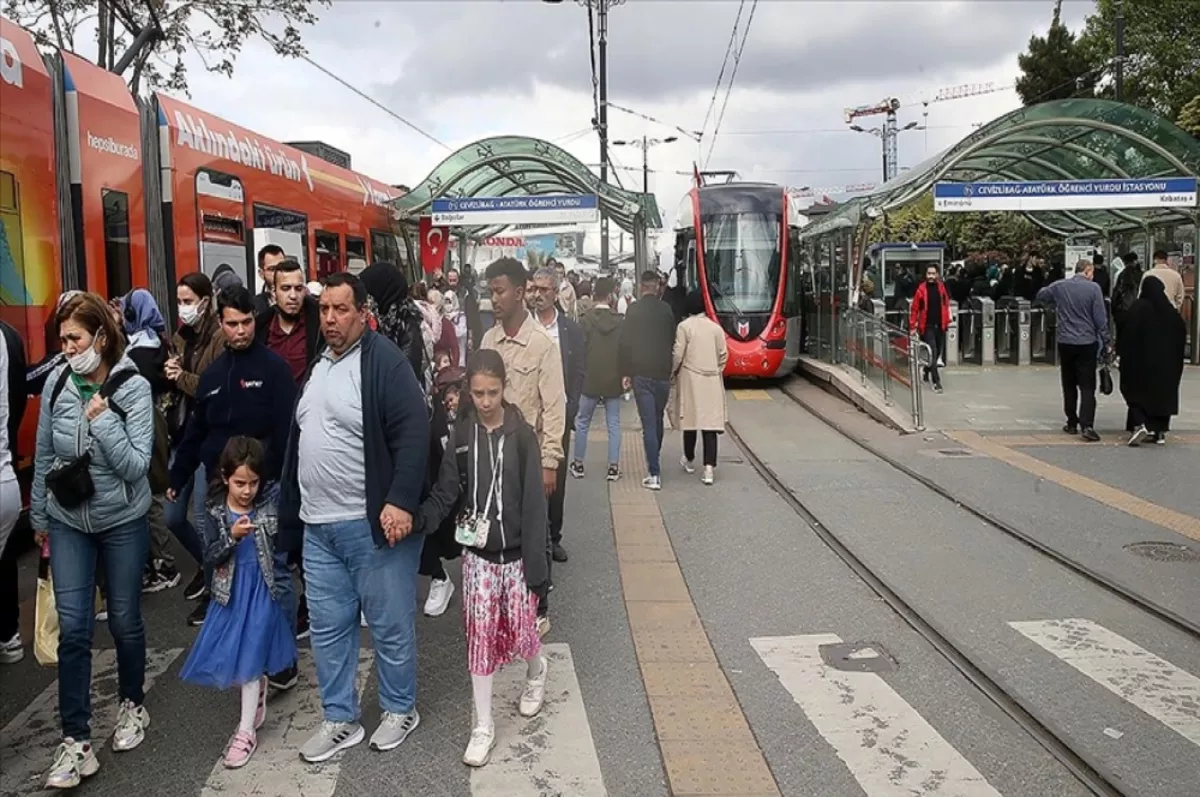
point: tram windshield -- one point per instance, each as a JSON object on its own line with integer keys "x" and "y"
{"x": 741, "y": 261}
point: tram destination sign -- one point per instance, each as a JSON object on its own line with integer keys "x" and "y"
{"x": 494, "y": 211}
{"x": 1159, "y": 192}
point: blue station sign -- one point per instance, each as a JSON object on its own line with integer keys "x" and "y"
{"x": 507, "y": 210}
{"x": 1157, "y": 192}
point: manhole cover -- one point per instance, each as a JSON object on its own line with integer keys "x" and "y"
{"x": 1164, "y": 551}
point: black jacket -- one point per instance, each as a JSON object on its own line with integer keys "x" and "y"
{"x": 395, "y": 442}
{"x": 519, "y": 532}
{"x": 574, "y": 362}
{"x": 18, "y": 392}
{"x": 314, "y": 341}
{"x": 647, "y": 339}
{"x": 249, "y": 392}
{"x": 602, "y": 338}
{"x": 150, "y": 361}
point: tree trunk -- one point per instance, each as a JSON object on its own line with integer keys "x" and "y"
{"x": 102, "y": 35}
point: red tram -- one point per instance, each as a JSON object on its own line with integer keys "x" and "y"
{"x": 738, "y": 243}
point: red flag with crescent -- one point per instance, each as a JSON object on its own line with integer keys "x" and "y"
{"x": 434, "y": 243}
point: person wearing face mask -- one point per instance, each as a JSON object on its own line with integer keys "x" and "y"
{"x": 198, "y": 341}
{"x": 292, "y": 326}
{"x": 90, "y": 497}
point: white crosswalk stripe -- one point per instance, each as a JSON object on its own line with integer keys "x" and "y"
{"x": 1153, "y": 684}
{"x": 552, "y": 753}
{"x": 276, "y": 769}
{"x": 886, "y": 744}
{"x": 28, "y": 741}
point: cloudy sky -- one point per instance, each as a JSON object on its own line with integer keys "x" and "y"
{"x": 465, "y": 70}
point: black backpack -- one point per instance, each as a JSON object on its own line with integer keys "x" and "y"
{"x": 160, "y": 473}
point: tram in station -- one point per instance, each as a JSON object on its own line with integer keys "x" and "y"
{"x": 103, "y": 191}
{"x": 738, "y": 244}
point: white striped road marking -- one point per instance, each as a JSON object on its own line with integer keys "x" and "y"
{"x": 1154, "y": 685}
{"x": 276, "y": 769}
{"x": 28, "y": 742}
{"x": 553, "y": 753}
{"x": 888, "y": 747}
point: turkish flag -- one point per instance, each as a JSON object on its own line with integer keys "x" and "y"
{"x": 434, "y": 243}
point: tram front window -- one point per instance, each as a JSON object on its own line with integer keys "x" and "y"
{"x": 741, "y": 261}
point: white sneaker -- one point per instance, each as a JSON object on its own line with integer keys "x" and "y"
{"x": 73, "y": 762}
{"x": 652, "y": 483}
{"x": 132, "y": 722}
{"x": 543, "y": 626}
{"x": 11, "y": 651}
{"x": 440, "y": 592}
{"x": 707, "y": 478}
{"x": 362, "y": 619}
{"x": 479, "y": 749}
{"x": 1139, "y": 434}
{"x": 102, "y": 615}
{"x": 689, "y": 465}
{"x": 535, "y": 692}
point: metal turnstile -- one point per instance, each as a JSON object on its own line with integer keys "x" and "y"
{"x": 1013, "y": 330}
{"x": 1043, "y": 348}
{"x": 983, "y": 333}
{"x": 951, "y": 353}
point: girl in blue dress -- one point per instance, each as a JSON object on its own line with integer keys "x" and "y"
{"x": 246, "y": 633}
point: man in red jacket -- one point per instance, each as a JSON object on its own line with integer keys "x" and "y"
{"x": 929, "y": 317}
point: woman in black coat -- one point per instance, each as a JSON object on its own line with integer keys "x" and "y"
{"x": 1151, "y": 346}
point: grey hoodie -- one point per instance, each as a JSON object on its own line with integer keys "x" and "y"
{"x": 518, "y": 520}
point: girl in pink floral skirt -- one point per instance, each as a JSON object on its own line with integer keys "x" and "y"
{"x": 492, "y": 462}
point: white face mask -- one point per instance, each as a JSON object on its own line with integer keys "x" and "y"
{"x": 85, "y": 362}
{"x": 189, "y": 314}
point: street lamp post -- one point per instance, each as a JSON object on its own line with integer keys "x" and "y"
{"x": 644, "y": 145}
{"x": 887, "y": 135}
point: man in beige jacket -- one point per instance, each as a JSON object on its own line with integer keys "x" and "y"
{"x": 1169, "y": 277}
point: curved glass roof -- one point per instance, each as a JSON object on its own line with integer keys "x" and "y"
{"x": 1080, "y": 139}
{"x": 521, "y": 166}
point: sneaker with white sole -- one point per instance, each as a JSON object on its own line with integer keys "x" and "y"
{"x": 652, "y": 483}
{"x": 479, "y": 748}
{"x": 102, "y": 614}
{"x": 394, "y": 729}
{"x": 543, "y": 626}
{"x": 707, "y": 478}
{"x": 688, "y": 465}
{"x": 73, "y": 762}
{"x": 440, "y": 592}
{"x": 240, "y": 749}
{"x": 330, "y": 739}
{"x": 12, "y": 651}
{"x": 614, "y": 472}
{"x": 576, "y": 469}
{"x": 132, "y": 722}
{"x": 1139, "y": 434}
{"x": 535, "y": 691}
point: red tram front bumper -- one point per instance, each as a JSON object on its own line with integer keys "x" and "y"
{"x": 751, "y": 359}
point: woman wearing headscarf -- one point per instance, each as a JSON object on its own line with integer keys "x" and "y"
{"x": 395, "y": 314}
{"x": 698, "y": 364}
{"x": 447, "y": 342}
{"x": 1151, "y": 346}
{"x": 147, "y": 346}
{"x": 626, "y": 296}
{"x": 452, "y": 310}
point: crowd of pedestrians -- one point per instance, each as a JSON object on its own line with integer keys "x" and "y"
{"x": 314, "y": 450}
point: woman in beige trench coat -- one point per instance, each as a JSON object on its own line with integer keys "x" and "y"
{"x": 699, "y": 362}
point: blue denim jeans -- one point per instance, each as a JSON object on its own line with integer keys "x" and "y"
{"x": 651, "y": 398}
{"x": 194, "y": 492}
{"x": 612, "y": 419}
{"x": 343, "y": 572}
{"x": 122, "y": 551}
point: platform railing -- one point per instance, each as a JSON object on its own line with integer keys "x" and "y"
{"x": 887, "y": 358}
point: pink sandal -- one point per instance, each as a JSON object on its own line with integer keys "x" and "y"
{"x": 241, "y": 748}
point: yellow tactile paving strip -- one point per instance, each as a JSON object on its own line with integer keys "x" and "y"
{"x": 1110, "y": 496}
{"x": 1057, "y": 439}
{"x": 751, "y": 395}
{"x": 707, "y": 746}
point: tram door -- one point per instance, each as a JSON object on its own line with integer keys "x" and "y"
{"x": 793, "y": 297}
{"x": 221, "y": 216}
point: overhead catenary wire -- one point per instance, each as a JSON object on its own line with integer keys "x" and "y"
{"x": 737, "y": 59}
{"x": 712, "y": 103}
{"x": 692, "y": 134}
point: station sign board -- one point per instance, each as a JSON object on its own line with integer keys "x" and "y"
{"x": 1158, "y": 192}
{"x": 507, "y": 210}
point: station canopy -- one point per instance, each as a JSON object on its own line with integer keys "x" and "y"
{"x": 1079, "y": 139}
{"x": 521, "y": 166}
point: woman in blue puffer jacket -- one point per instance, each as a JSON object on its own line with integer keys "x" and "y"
{"x": 91, "y": 495}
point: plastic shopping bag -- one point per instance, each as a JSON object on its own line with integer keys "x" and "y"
{"x": 45, "y": 615}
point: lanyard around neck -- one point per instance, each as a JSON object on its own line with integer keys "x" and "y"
{"x": 497, "y": 460}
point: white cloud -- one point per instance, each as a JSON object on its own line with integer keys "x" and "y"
{"x": 372, "y": 46}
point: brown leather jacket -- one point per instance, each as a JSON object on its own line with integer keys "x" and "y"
{"x": 207, "y": 343}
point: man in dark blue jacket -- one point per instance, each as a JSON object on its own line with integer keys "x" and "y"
{"x": 248, "y": 390}
{"x": 353, "y": 476}
{"x": 543, "y": 294}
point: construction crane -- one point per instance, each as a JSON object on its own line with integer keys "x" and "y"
{"x": 889, "y": 133}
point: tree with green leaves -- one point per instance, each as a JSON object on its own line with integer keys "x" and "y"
{"x": 1162, "y": 57}
{"x": 151, "y": 38}
{"x": 1055, "y": 67}
{"x": 1189, "y": 117}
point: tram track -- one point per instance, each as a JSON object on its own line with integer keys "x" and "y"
{"x": 1092, "y": 774}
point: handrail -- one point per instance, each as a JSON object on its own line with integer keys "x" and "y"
{"x": 871, "y": 345}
